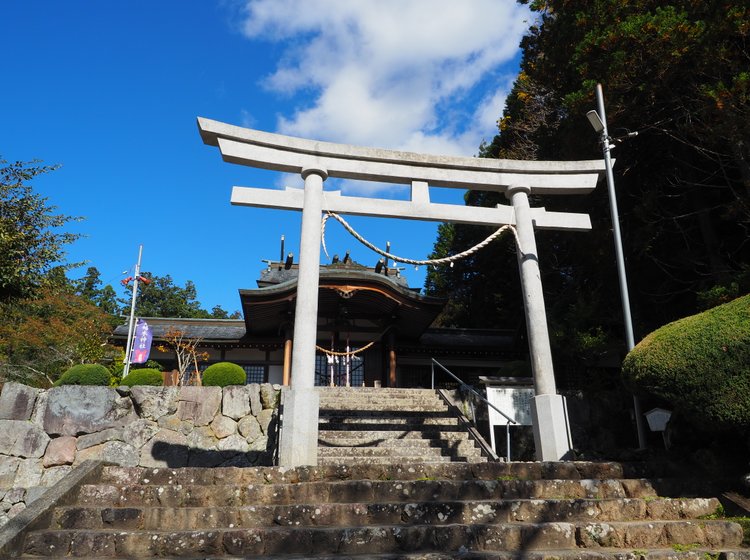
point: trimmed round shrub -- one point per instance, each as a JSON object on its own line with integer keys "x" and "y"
{"x": 144, "y": 376}
{"x": 223, "y": 374}
{"x": 85, "y": 374}
{"x": 700, "y": 365}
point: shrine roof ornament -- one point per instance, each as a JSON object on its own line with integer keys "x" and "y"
{"x": 290, "y": 154}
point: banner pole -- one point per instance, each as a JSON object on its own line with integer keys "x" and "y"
{"x": 131, "y": 323}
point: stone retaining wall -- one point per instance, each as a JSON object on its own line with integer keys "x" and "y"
{"x": 44, "y": 434}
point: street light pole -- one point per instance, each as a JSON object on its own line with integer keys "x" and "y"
{"x": 599, "y": 122}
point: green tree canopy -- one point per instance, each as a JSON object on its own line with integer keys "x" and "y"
{"x": 30, "y": 242}
{"x": 90, "y": 288}
{"x": 41, "y": 337}
{"x": 677, "y": 72}
{"x": 159, "y": 296}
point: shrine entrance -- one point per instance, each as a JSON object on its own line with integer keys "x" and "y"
{"x": 315, "y": 161}
{"x": 341, "y": 369}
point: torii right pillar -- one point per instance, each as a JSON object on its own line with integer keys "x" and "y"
{"x": 550, "y": 421}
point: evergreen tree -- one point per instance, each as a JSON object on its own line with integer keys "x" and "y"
{"x": 161, "y": 297}
{"x": 90, "y": 287}
{"x": 678, "y": 73}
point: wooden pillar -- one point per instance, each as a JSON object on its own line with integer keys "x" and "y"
{"x": 392, "y": 382}
{"x": 287, "y": 368}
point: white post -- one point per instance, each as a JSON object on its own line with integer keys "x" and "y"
{"x": 299, "y": 437}
{"x": 549, "y": 423}
{"x": 348, "y": 359}
{"x": 331, "y": 359}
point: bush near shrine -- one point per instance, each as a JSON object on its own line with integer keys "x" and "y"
{"x": 85, "y": 374}
{"x": 144, "y": 376}
{"x": 700, "y": 365}
{"x": 224, "y": 373}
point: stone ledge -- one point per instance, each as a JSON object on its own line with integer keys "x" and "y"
{"x": 40, "y": 510}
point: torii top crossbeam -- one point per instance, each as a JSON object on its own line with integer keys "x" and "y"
{"x": 277, "y": 152}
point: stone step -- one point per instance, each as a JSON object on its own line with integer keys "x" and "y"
{"x": 376, "y": 419}
{"x": 425, "y": 395}
{"x": 363, "y": 437}
{"x": 683, "y": 553}
{"x": 371, "y": 393}
{"x": 384, "y": 539}
{"x": 357, "y": 425}
{"x": 386, "y": 414}
{"x": 391, "y": 407}
{"x": 389, "y": 451}
{"x": 352, "y": 460}
{"x": 342, "y": 440}
{"x": 418, "y": 453}
{"x": 563, "y": 470}
{"x": 409, "y": 511}
{"x": 342, "y": 514}
{"x": 353, "y": 394}
{"x": 366, "y": 452}
{"x": 376, "y": 391}
{"x": 356, "y": 491}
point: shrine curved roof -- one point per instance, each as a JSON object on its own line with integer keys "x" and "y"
{"x": 357, "y": 300}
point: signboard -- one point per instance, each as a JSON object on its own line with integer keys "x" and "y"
{"x": 513, "y": 401}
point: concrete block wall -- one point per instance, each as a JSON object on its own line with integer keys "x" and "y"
{"x": 45, "y": 433}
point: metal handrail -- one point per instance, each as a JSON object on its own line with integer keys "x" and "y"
{"x": 481, "y": 397}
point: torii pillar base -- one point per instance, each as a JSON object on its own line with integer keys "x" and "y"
{"x": 299, "y": 434}
{"x": 551, "y": 430}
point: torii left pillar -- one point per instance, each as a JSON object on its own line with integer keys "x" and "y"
{"x": 299, "y": 439}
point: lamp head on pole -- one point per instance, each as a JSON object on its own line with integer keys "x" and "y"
{"x": 595, "y": 120}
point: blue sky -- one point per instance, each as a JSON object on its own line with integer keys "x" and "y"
{"x": 111, "y": 91}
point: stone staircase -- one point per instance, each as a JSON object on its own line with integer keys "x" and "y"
{"x": 390, "y": 426}
{"x": 411, "y": 511}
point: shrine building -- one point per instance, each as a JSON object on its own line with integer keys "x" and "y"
{"x": 372, "y": 330}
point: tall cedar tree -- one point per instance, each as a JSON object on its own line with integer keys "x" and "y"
{"x": 678, "y": 72}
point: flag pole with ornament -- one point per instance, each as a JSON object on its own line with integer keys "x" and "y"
{"x": 140, "y": 336}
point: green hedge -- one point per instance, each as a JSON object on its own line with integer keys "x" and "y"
{"x": 144, "y": 376}
{"x": 700, "y": 365}
{"x": 223, "y": 374}
{"x": 85, "y": 374}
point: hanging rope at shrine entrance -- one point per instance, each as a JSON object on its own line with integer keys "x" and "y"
{"x": 351, "y": 353}
{"x": 444, "y": 260}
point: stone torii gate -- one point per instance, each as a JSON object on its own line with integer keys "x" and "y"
{"x": 316, "y": 161}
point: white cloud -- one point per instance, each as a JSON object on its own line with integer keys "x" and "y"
{"x": 420, "y": 75}
{"x": 247, "y": 120}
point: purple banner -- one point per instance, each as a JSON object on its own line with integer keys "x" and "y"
{"x": 141, "y": 343}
